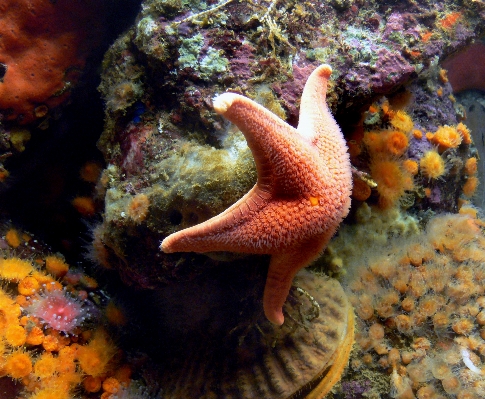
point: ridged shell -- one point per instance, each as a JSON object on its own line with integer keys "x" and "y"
{"x": 260, "y": 360}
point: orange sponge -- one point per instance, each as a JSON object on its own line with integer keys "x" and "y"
{"x": 43, "y": 47}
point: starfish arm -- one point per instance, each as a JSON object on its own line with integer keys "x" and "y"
{"x": 301, "y": 196}
{"x": 314, "y": 113}
{"x": 277, "y": 148}
{"x": 282, "y": 269}
{"x": 206, "y": 236}
{"x": 317, "y": 124}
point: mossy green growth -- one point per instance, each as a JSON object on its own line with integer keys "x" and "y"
{"x": 213, "y": 62}
{"x": 169, "y": 8}
{"x": 189, "y": 51}
{"x": 374, "y": 228}
{"x": 368, "y": 45}
{"x": 321, "y": 54}
{"x": 122, "y": 86}
{"x": 266, "y": 97}
{"x": 200, "y": 182}
{"x": 193, "y": 184}
{"x": 190, "y": 56}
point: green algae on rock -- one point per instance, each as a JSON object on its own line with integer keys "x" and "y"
{"x": 159, "y": 78}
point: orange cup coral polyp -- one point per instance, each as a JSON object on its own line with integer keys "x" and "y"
{"x": 396, "y": 143}
{"x": 470, "y": 186}
{"x": 95, "y": 356}
{"x": 446, "y": 137}
{"x": 18, "y": 364}
{"x": 391, "y": 142}
{"x": 15, "y": 269}
{"x": 392, "y": 180}
{"x": 402, "y": 121}
{"x": 432, "y": 165}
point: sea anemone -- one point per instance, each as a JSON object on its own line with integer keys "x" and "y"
{"x": 58, "y": 311}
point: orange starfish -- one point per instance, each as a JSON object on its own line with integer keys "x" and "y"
{"x": 301, "y": 196}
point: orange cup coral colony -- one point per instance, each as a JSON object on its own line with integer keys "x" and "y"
{"x": 392, "y": 180}
{"x": 51, "y": 339}
{"x": 404, "y": 161}
{"x": 420, "y": 303}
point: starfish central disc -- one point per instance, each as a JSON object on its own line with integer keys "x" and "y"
{"x": 301, "y": 195}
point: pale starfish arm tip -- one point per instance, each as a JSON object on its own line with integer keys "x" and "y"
{"x": 274, "y": 315}
{"x": 324, "y": 70}
{"x": 166, "y": 246}
{"x": 223, "y": 102}
{"x": 163, "y": 247}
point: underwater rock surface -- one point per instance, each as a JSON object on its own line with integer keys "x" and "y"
{"x": 410, "y": 255}
{"x": 172, "y": 162}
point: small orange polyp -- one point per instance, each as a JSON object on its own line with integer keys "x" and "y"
{"x": 314, "y": 201}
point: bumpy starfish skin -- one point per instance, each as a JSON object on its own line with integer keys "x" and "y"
{"x": 301, "y": 196}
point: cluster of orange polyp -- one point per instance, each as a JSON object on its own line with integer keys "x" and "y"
{"x": 386, "y": 149}
{"x": 52, "y": 343}
{"x": 420, "y": 306}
